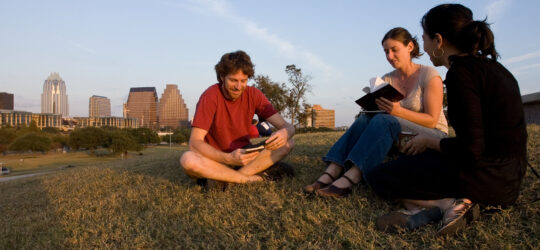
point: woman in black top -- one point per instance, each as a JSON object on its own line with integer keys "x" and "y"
{"x": 485, "y": 162}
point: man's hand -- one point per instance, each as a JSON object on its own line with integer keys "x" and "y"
{"x": 388, "y": 106}
{"x": 240, "y": 158}
{"x": 277, "y": 140}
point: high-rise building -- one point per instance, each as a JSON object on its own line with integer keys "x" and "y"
{"x": 142, "y": 104}
{"x": 6, "y": 101}
{"x": 173, "y": 111}
{"x": 319, "y": 117}
{"x": 54, "y": 99}
{"x": 99, "y": 106}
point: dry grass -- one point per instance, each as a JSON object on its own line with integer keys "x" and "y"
{"x": 148, "y": 202}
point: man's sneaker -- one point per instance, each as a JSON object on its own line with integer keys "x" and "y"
{"x": 277, "y": 171}
{"x": 208, "y": 185}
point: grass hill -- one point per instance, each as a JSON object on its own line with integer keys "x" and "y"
{"x": 147, "y": 201}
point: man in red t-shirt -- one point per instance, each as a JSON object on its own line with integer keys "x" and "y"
{"x": 221, "y": 127}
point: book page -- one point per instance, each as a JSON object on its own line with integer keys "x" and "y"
{"x": 376, "y": 83}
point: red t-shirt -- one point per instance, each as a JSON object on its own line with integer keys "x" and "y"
{"x": 228, "y": 122}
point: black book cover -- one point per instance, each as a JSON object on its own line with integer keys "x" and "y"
{"x": 367, "y": 102}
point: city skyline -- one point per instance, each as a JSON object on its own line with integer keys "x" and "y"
{"x": 105, "y": 48}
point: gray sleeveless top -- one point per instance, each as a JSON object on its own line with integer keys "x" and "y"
{"x": 415, "y": 99}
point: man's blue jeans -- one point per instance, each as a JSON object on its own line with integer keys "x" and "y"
{"x": 366, "y": 143}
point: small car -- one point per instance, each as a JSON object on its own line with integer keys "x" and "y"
{"x": 5, "y": 171}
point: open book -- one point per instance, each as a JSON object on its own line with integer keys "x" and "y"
{"x": 378, "y": 88}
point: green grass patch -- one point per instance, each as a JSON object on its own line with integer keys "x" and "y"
{"x": 146, "y": 201}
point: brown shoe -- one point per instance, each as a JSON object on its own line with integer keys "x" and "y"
{"x": 309, "y": 189}
{"x": 277, "y": 171}
{"x": 452, "y": 223}
{"x": 335, "y": 192}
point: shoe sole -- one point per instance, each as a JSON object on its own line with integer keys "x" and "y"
{"x": 471, "y": 215}
{"x": 322, "y": 193}
{"x": 309, "y": 189}
{"x": 393, "y": 221}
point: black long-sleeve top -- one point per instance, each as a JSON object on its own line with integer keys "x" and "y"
{"x": 486, "y": 112}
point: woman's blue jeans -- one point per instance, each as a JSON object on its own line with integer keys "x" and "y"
{"x": 366, "y": 143}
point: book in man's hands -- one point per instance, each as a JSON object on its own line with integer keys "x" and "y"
{"x": 256, "y": 147}
{"x": 378, "y": 88}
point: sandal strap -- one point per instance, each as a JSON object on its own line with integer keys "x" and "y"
{"x": 462, "y": 211}
{"x": 349, "y": 179}
{"x": 329, "y": 175}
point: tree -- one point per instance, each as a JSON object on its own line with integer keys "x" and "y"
{"x": 144, "y": 135}
{"x": 296, "y": 102}
{"x": 31, "y": 141}
{"x": 7, "y": 135}
{"x": 122, "y": 141}
{"x": 89, "y": 138}
{"x": 275, "y": 92}
{"x": 51, "y": 130}
{"x": 181, "y": 135}
{"x": 59, "y": 141}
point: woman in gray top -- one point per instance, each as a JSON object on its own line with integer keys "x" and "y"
{"x": 368, "y": 140}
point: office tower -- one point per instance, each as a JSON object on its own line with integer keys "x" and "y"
{"x": 99, "y": 106}
{"x": 54, "y": 99}
{"x": 173, "y": 111}
{"x": 6, "y": 101}
{"x": 142, "y": 104}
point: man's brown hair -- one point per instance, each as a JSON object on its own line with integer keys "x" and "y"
{"x": 232, "y": 62}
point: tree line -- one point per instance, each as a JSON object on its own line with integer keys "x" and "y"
{"x": 31, "y": 138}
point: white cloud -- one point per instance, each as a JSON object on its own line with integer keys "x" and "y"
{"x": 495, "y": 9}
{"x": 221, "y": 8}
{"x": 523, "y": 69}
{"x": 82, "y": 47}
{"x": 521, "y": 58}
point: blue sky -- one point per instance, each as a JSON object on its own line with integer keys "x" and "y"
{"x": 106, "y": 47}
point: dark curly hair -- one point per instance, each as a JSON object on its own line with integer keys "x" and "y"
{"x": 455, "y": 23}
{"x": 403, "y": 35}
{"x": 232, "y": 62}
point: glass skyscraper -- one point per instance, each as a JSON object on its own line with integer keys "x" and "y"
{"x": 54, "y": 99}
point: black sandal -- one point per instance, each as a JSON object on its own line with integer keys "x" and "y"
{"x": 335, "y": 192}
{"x": 459, "y": 220}
{"x": 311, "y": 188}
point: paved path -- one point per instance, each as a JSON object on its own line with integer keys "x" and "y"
{"x": 20, "y": 176}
